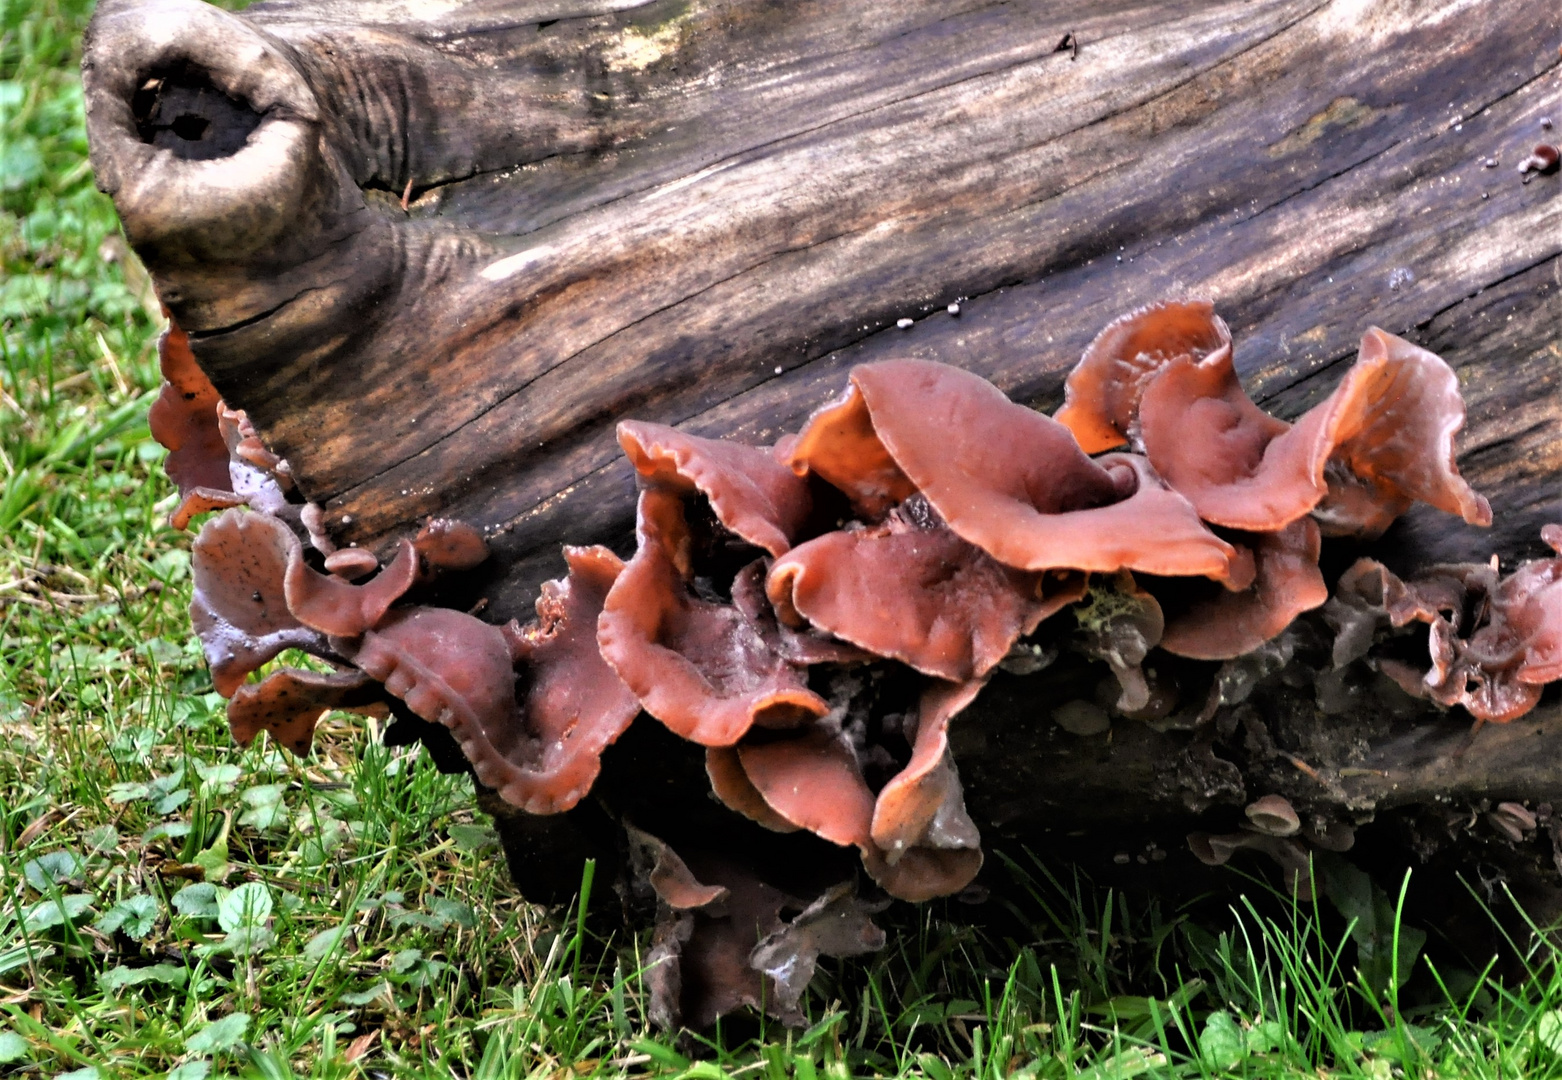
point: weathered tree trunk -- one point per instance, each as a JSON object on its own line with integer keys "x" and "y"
{"x": 436, "y": 251}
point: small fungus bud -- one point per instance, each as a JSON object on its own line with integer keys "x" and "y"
{"x": 1274, "y": 815}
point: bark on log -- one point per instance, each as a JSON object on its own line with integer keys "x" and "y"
{"x": 436, "y": 251}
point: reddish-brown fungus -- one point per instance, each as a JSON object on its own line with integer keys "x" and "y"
{"x": 352, "y": 563}
{"x": 1273, "y": 814}
{"x": 668, "y": 875}
{"x": 923, "y": 806}
{"x": 1287, "y": 853}
{"x": 751, "y": 494}
{"x": 184, "y": 419}
{"x": 911, "y": 590}
{"x": 240, "y": 612}
{"x": 839, "y": 445}
{"x": 543, "y": 754}
{"x": 1381, "y": 441}
{"x": 444, "y": 544}
{"x": 1230, "y": 459}
{"x": 288, "y": 703}
{"x": 699, "y": 667}
{"x": 202, "y": 500}
{"x": 1101, "y": 395}
{"x": 1396, "y": 415}
{"x": 814, "y": 781}
{"x": 336, "y": 607}
{"x": 803, "y": 645}
{"x": 574, "y": 705}
{"x": 1286, "y": 584}
{"x": 1028, "y": 496}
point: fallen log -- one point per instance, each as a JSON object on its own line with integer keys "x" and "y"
{"x": 435, "y": 255}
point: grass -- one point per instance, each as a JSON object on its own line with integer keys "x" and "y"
{"x": 173, "y": 905}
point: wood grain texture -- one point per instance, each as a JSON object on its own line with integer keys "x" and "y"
{"x": 704, "y": 213}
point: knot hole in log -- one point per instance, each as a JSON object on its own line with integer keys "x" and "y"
{"x": 180, "y": 109}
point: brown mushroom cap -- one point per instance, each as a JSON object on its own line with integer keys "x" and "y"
{"x": 542, "y": 754}
{"x": 1382, "y": 440}
{"x": 1015, "y": 483}
{"x": 911, "y": 590}
{"x": 334, "y": 606}
{"x": 839, "y": 445}
{"x": 751, "y": 494}
{"x": 1286, "y": 584}
{"x": 184, "y": 419}
{"x": 1289, "y": 855}
{"x": 445, "y": 544}
{"x": 923, "y": 805}
{"x": 803, "y": 645}
{"x": 1101, "y": 395}
{"x": 574, "y": 706}
{"x": 699, "y": 667}
{"x": 813, "y": 780}
{"x": 1273, "y": 814}
{"x": 1238, "y": 466}
{"x": 239, "y": 562}
{"x": 352, "y": 563}
{"x": 1396, "y": 415}
{"x": 668, "y": 875}
{"x": 288, "y": 703}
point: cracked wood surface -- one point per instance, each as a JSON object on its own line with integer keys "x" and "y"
{"x": 703, "y": 213}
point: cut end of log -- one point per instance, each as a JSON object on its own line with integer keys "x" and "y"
{"x": 203, "y": 128}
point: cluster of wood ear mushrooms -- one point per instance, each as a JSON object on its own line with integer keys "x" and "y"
{"x": 921, "y": 521}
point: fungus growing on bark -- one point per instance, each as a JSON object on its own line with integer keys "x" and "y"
{"x": 1497, "y": 667}
{"x": 334, "y": 606}
{"x": 1102, "y": 392}
{"x": 1287, "y": 582}
{"x": 184, "y": 419}
{"x": 543, "y": 753}
{"x": 698, "y": 666}
{"x": 444, "y": 544}
{"x": 288, "y": 703}
{"x": 1273, "y": 814}
{"x": 923, "y": 806}
{"x": 239, "y": 562}
{"x": 911, "y": 590}
{"x": 1030, "y": 498}
{"x": 734, "y": 950}
{"x": 1394, "y": 421}
{"x": 814, "y": 780}
{"x": 1162, "y": 378}
{"x": 352, "y": 563}
{"x": 752, "y": 494}
{"x": 840, "y": 446}
{"x": 1120, "y": 625}
{"x": 1287, "y": 853}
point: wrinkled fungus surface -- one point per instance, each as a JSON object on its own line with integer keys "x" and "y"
{"x": 698, "y": 666}
{"x": 184, "y": 419}
{"x": 239, "y": 562}
{"x": 288, "y": 703}
{"x": 814, "y": 614}
{"x": 751, "y": 493}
